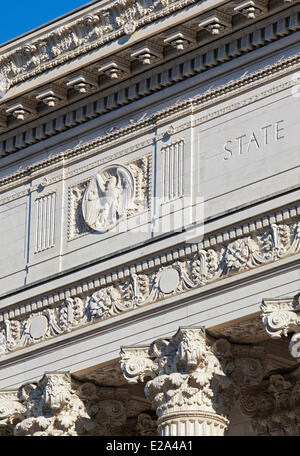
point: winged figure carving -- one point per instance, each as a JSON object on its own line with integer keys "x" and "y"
{"x": 107, "y": 198}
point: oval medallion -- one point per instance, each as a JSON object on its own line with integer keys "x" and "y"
{"x": 38, "y": 326}
{"x": 168, "y": 281}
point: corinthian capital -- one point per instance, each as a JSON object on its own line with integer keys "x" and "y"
{"x": 280, "y": 317}
{"x": 274, "y": 405}
{"x": 191, "y": 377}
{"x": 58, "y": 405}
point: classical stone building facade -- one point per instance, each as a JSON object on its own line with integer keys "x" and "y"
{"x": 150, "y": 221}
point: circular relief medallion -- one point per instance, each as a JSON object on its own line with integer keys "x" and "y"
{"x": 107, "y": 198}
{"x": 38, "y": 326}
{"x": 168, "y": 281}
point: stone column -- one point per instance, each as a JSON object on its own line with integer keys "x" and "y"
{"x": 193, "y": 380}
{"x": 281, "y": 317}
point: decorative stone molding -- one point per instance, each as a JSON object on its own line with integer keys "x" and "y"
{"x": 21, "y": 108}
{"x": 114, "y": 67}
{"x": 12, "y": 412}
{"x": 52, "y": 95}
{"x": 180, "y": 38}
{"x": 216, "y": 22}
{"x": 252, "y": 9}
{"x": 281, "y": 317}
{"x": 4, "y": 85}
{"x": 83, "y": 82}
{"x": 185, "y": 268}
{"x": 95, "y": 28}
{"x": 60, "y": 406}
{"x": 83, "y": 35}
{"x": 274, "y": 406}
{"x": 147, "y": 52}
{"x": 193, "y": 379}
{"x": 193, "y": 66}
{"x": 103, "y": 211}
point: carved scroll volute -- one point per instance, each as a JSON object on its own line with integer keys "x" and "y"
{"x": 274, "y": 405}
{"x": 281, "y": 317}
{"x": 136, "y": 364}
{"x": 181, "y": 389}
{"x": 59, "y": 405}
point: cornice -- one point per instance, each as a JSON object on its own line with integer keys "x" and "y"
{"x": 240, "y": 248}
{"x": 86, "y": 36}
{"x": 187, "y": 107}
{"x": 120, "y": 17}
{"x": 155, "y": 80}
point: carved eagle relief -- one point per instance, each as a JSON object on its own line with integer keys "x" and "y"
{"x": 108, "y": 196}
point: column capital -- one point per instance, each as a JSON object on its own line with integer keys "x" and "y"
{"x": 274, "y": 405}
{"x": 192, "y": 377}
{"x": 282, "y": 316}
{"x": 57, "y": 405}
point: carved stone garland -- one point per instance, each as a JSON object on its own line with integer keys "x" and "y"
{"x": 280, "y": 317}
{"x": 193, "y": 380}
{"x": 131, "y": 290}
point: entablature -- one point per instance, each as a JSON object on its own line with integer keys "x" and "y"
{"x": 100, "y": 66}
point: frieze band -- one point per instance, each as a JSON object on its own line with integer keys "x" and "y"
{"x": 198, "y": 265}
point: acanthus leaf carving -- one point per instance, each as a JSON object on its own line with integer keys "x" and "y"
{"x": 274, "y": 405}
{"x": 281, "y": 317}
{"x": 57, "y": 405}
{"x": 191, "y": 374}
{"x": 137, "y": 287}
{"x": 12, "y": 411}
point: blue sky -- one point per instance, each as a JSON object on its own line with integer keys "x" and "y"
{"x": 20, "y": 16}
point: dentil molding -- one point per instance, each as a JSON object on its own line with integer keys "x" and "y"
{"x": 189, "y": 266}
{"x": 121, "y": 17}
{"x": 156, "y": 80}
{"x": 117, "y": 136}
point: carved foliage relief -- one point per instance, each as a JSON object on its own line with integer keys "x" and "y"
{"x": 115, "y": 193}
{"x": 59, "y": 406}
{"x": 141, "y": 286}
{"x": 274, "y": 406}
{"x": 83, "y": 35}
